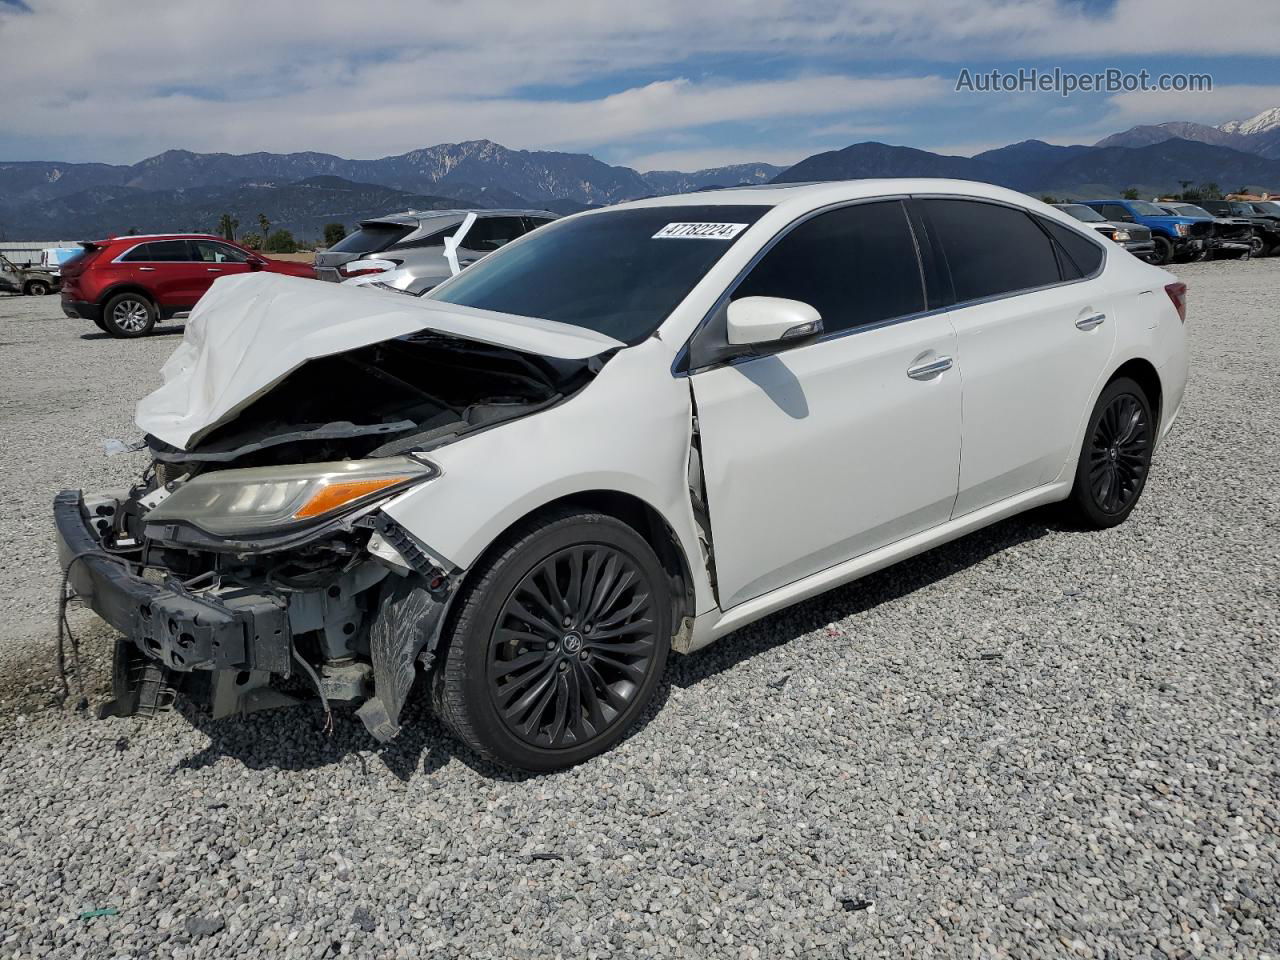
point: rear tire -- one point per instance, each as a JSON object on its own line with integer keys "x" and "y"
{"x": 1163, "y": 252}
{"x": 129, "y": 315}
{"x": 558, "y": 642}
{"x": 1115, "y": 457}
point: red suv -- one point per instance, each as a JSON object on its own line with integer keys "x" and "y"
{"x": 126, "y": 284}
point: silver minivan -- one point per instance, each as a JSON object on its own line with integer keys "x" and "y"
{"x": 415, "y": 241}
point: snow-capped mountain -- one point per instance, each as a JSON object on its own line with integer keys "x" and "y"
{"x": 1260, "y": 134}
{"x": 1266, "y": 120}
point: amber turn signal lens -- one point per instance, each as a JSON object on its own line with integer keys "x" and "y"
{"x": 336, "y": 495}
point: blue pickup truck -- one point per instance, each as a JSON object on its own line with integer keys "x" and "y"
{"x": 1175, "y": 236}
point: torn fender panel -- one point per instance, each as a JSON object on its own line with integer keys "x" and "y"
{"x": 628, "y": 432}
{"x": 250, "y": 331}
{"x": 408, "y": 620}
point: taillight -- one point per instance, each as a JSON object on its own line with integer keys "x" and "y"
{"x": 1178, "y": 294}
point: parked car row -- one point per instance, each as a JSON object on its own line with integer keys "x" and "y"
{"x": 126, "y": 285}
{"x": 1173, "y": 230}
{"x": 624, "y": 434}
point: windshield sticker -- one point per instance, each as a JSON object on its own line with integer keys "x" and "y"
{"x": 700, "y": 231}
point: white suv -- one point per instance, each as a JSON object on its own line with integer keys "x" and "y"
{"x": 428, "y": 246}
{"x": 634, "y": 430}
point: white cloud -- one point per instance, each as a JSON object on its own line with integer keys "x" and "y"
{"x": 1228, "y": 102}
{"x": 121, "y": 80}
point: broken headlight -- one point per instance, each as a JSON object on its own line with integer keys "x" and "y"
{"x": 267, "y": 499}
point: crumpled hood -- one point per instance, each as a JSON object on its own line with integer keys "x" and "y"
{"x": 250, "y": 331}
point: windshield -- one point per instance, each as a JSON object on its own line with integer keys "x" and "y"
{"x": 604, "y": 271}
{"x": 371, "y": 238}
{"x": 1269, "y": 207}
{"x": 1191, "y": 210}
{"x": 1081, "y": 212}
{"x": 1144, "y": 209}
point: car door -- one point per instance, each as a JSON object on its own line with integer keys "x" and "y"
{"x": 827, "y": 450}
{"x": 217, "y": 260}
{"x": 1035, "y": 329}
{"x": 168, "y": 271}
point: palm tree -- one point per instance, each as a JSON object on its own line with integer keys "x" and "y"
{"x": 227, "y": 226}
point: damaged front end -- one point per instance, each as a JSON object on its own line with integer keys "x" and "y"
{"x": 256, "y": 565}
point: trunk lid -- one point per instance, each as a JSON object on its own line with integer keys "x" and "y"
{"x": 250, "y": 331}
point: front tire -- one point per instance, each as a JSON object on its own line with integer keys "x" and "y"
{"x": 1257, "y": 244}
{"x": 36, "y": 288}
{"x": 558, "y": 642}
{"x": 1163, "y": 253}
{"x": 1115, "y": 457}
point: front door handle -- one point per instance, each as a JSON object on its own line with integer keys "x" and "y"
{"x": 927, "y": 371}
{"x": 214, "y": 269}
{"x": 146, "y": 269}
{"x": 1089, "y": 322}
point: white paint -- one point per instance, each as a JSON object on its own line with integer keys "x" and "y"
{"x": 822, "y": 462}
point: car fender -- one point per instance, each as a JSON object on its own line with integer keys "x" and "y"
{"x": 628, "y": 431}
{"x": 1147, "y": 330}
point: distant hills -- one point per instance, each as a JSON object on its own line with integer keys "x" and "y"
{"x": 181, "y": 190}
{"x": 1260, "y": 134}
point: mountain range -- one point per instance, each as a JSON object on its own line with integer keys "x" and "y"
{"x": 181, "y": 190}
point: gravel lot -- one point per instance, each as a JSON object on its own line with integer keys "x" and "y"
{"x": 1034, "y": 742}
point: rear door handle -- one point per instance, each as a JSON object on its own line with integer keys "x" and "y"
{"x": 1089, "y": 322}
{"x": 927, "y": 371}
{"x": 214, "y": 269}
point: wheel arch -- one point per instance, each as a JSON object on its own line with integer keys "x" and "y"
{"x": 1144, "y": 373}
{"x": 128, "y": 286}
{"x": 637, "y": 513}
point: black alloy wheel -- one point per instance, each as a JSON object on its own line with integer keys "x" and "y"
{"x": 557, "y": 642}
{"x": 1119, "y": 454}
{"x": 1116, "y": 456}
{"x": 572, "y": 646}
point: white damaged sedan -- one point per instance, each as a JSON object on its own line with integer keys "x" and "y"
{"x": 631, "y": 431}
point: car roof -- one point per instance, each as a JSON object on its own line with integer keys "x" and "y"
{"x": 138, "y": 237}
{"x": 411, "y": 217}
{"x": 814, "y": 195}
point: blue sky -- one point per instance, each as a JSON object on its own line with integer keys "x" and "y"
{"x": 662, "y": 84}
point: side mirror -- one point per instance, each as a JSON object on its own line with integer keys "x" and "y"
{"x": 771, "y": 320}
{"x": 256, "y": 264}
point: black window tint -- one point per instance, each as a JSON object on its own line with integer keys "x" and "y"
{"x": 532, "y": 223}
{"x": 372, "y": 237}
{"x": 430, "y": 240}
{"x": 991, "y": 249}
{"x": 141, "y": 252}
{"x": 855, "y": 266}
{"x": 1083, "y": 256}
{"x": 1113, "y": 211}
{"x": 489, "y": 233}
{"x": 161, "y": 251}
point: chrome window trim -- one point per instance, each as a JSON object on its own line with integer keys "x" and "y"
{"x": 122, "y": 255}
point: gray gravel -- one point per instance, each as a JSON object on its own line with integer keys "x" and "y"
{"x": 1032, "y": 743}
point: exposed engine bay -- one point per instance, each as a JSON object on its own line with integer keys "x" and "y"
{"x": 257, "y": 566}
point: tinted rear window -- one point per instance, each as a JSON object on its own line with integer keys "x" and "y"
{"x": 159, "y": 251}
{"x": 991, "y": 249}
{"x": 1083, "y": 255}
{"x": 371, "y": 238}
{"x": 603, "y": 271}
